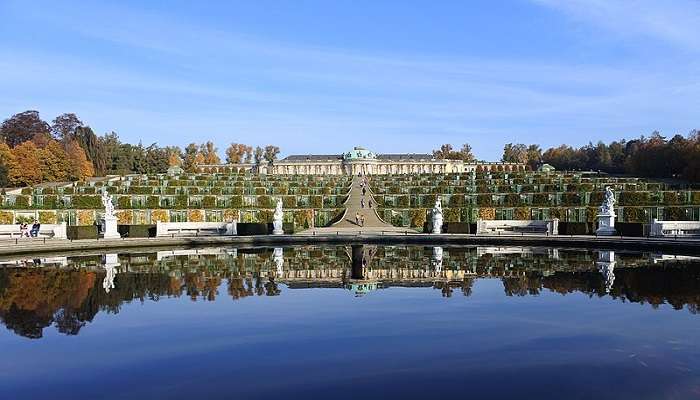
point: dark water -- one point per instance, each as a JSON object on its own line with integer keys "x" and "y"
{"x": 349, "y": 323}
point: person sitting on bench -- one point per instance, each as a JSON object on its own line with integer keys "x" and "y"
{"x": 35, "y": 229}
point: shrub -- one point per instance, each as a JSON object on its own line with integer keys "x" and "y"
{"x": 124, "y": 202}
{"x": 402, "y": 201}
{"x": 209, "y": 202}
{"x": 571, "y": 199}
{"x": 265, "y": 216}
{"x": 302, "y": 218}
{"x": 316, "y": 202}
{"x": 236, "y": 201}
{"x": 27, "y": 191}
{"x": 671, "y": 198}
{"x": 521, "y": 213}
{"x": 47, "y": 217}
{"x": 512, "y": 200}
{"x": 81, "y": 232}
{"x": 159, "y": 216}
{"x": 181, "y": 202}
{"x": 487, "y": 213}
{"x": 418, "y": 217}
{"x": 137, "y": 231}
{"x": 289, "y": 201}
{"x": 195, "y": 216}
{"x": 231, "y": 215}
{"x": 484, "y": 200}
{"x": 7, "y": 217}
{"x": 264, "y": 202}
{"x": 86, "y": 217}
{"x": 674, "y": 214}
{"x": 21, "y": 202}
{"x": 140, "y": 190}
{"x": 124, "y": 217}
{"x": 153, "y": 202}
{"x": 633, "y": 198}
{"x": 634, "y": 214}
{"x": 540, "y": 199}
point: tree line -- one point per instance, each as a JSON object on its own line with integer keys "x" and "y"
{"x": 654, "y": 156}
{"x": 33, "y": 151}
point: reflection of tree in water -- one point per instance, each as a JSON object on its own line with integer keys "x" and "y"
{"x": 33, "y": 299}
{"x": 447, "y": 288}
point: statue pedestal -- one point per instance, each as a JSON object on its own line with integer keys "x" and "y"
{"x": 109, "y": 228}
{"x": 277, "y": 228}
{"x": 606, "y": 224}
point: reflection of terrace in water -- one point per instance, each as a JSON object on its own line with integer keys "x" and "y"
{"x": 69, "y": 292}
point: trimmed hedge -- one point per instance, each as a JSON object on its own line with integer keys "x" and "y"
{"x": 81, "y": 232}
{"x": 634, "y": 229}
{"x": 251, "y": 229}
{"x": 575, "y": 228}
{"x": 137, "y": 231}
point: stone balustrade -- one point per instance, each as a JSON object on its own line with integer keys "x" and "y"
{"x": 197, "y": 228}
{"x": 675, "y": 228}
{"x": 550, "y": 227}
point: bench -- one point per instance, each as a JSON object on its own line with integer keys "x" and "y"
{"x": 549, "y": 227}
{"x": 196, "y": 229}
{"x": 675, "y": 228}
{"x": 55, "y": 231}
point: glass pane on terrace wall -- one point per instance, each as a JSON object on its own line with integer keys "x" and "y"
{"x": 213, "y": 216}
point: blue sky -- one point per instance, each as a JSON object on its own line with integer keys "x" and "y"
{"x": 323, "y": 76}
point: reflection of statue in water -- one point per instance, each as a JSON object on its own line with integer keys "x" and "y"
{"x": 437, "y": 216}
{"x": 437, "y": 259}
{"x": 277, "y": 219}
{"x": 108, "y": 205}
{"x": 607, "y": 208}
{"x": 278, "y": 259}
{"x": 606, "y": 266}
{"x": 110, "y": 263}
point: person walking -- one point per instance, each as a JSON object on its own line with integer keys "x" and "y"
{"x": 364, "y": 191}
{"x": 362, "y": 203}
{"x": 370, "y": 203}
{"x": 362, "y": 220}
{"x": 357, "y": 218}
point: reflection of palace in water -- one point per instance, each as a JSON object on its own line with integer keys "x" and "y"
{"x": 69, "y": 291}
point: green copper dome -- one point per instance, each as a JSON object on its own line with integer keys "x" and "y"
{"x": 358, "y": 153}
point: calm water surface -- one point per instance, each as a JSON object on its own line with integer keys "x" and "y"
{"x": 351, "y": 322}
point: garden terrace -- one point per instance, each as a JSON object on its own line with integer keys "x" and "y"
{"x": 405, "y": 200}
{"x": 146, "y": 199}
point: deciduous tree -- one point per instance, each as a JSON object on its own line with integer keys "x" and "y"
{"x": 26, "y": 169}
{"x": 22, "y": 127}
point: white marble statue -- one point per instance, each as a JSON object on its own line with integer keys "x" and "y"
{"x": 606, "y": 214}
{"x": 607, "y": 208}
{"x": 277, "y": 219}
{"x": 437, "y": 216}
{"x": 107, "y": 203}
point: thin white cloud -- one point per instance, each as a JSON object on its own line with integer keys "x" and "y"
{"x": 184, "y": 81}
{"x": 673, "y": 21}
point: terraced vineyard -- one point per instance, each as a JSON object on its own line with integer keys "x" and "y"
{"x": 405, "y": 200}
{"x": 139, "y": 199}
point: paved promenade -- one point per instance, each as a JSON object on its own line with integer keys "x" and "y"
{"x": 675, "y": 246}
{"x": 354, "y": 206}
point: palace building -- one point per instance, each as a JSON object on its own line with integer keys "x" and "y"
{"x": 362, "y": 161}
